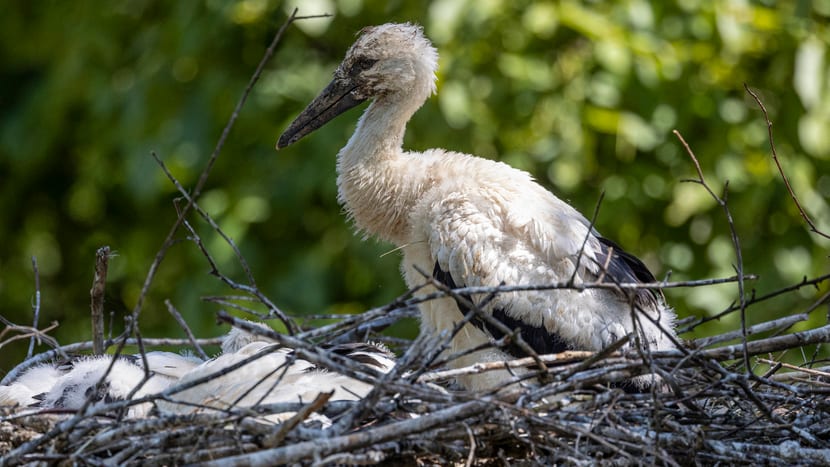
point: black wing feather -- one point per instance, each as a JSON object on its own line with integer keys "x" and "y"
{"x": 363, "y": 353}
{"x": 537, "y": 337}
{"x": 625, "y": 268}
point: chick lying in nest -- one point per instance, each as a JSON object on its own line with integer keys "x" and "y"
{"x": 273, "y": 374}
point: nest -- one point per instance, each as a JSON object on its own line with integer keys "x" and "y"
{"x": 709, "y": 409}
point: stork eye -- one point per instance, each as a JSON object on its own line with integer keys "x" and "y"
{"x": 362, "y": 64}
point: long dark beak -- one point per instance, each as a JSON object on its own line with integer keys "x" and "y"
{"x": 332, "y": 101}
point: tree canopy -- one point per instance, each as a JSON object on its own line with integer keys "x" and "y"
{"x": 584, "y": 95}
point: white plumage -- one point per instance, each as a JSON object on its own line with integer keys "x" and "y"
{"x": 24, "y": 390}
{"x": 68, "y": 385}
{"x": 277, "y": 376}
{"x": 472, "y": 221}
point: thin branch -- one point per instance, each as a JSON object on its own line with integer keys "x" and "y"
{"x": 790, "y": 190}
{"x": 777, "y": 324}
{"x": 179, "y": 319}
{"x": 277, "y": 437}
{"x": 809, "y": 371}
{"x": 568, "y": 356}
{"x": 23, "y": 332}
{"x": 200, "y": 184}
{"x": 252, "y": 289}
{"x": 35, "y": 307}
{"x": 579, "y": 287}
{"x": 739, "y": 266}
{"x": 804, "y": 283}
{"x": 96, "y": 293}
{"x": 588, "y": 235}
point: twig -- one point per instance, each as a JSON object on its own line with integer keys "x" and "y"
{"x": 588, "y": 235}
{"x": 252, "y": 289}
{"x": 801, "y": 211}
{"x": 179, "y": 319}
{"x": 324, "y": 447}
{"x": 278, "y": 436}
{"x": 588, "y": 285}
{"x": 200, "y": 184}
{"x": 770, "y": 344}
{"x": 96, "y": 293}
{"x": 804, "y": 282}
{"x": 27, "y": 331}
{"x": 739, "y": 266}
{"x": 809, "y": 371}
{"x": 35, "y": 307}
{"x": 472, "y": 456}
{"x": 756, "y": 329}
{"x": 569, "y": 356}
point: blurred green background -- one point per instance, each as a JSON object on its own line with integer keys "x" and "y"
{"x": 582, "y": 94}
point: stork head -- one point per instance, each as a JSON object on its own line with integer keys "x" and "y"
{"x": 391, "y": 61}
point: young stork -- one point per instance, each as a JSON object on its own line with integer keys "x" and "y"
{"x": 276, "y": 376}
{"x": 473, "y": 221}
{"x": 68, "y": 385}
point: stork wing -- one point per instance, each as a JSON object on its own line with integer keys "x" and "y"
{"x": 540, "y": 340}
{"x": 539, "y": 243}
{"x": 625, "y": 268}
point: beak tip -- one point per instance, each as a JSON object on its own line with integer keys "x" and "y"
{"x": 283, "y": 142}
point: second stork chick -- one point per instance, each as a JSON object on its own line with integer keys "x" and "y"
{"x": 271, "y": 374}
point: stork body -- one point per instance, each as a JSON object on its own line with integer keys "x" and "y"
{"x": 70, "y": 384}
{"x": 278, "y": 375}
{"x": 472, "y": 221}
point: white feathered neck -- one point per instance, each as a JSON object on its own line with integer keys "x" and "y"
{"x": 378, "y": 182}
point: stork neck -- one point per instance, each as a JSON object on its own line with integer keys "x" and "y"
{"x": 379, "y": 132}
{"x": 374, "y": 187}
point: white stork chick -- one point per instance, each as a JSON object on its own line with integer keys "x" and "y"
{"x": 68, "y": 385}
{"x": 25, "y": 390}
{"x": 276, "y": 376}
{"x": 473, "y": 221}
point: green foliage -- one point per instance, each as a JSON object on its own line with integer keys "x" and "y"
{"x": 582, "y": 94}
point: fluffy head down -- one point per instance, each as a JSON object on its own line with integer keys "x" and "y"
{"x": 390, "y": 59}
{"x": 393, "y": 63}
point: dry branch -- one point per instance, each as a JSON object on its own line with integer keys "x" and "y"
{"x": 203, "y": 177}
{"x": 804, "y": 216}
{"x": 35, "y": 307}
{"x": 96, "y": 293}
{"x": 733, "y": 233}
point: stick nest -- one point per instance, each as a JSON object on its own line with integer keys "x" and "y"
{"x": 708, "y": 410}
